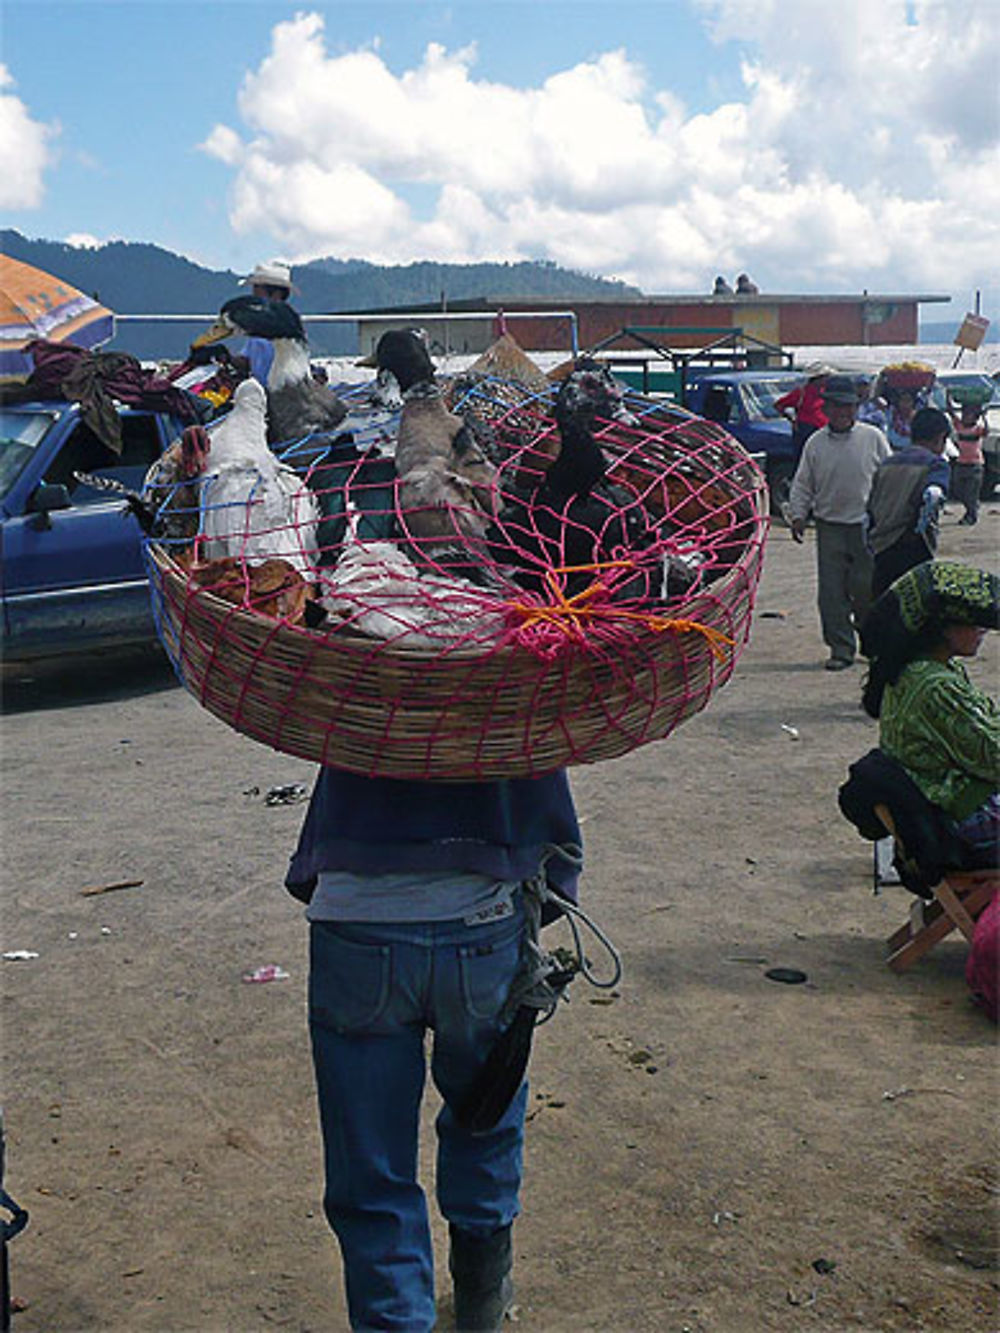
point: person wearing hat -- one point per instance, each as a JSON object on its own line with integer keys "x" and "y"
{"x": 804, "y": 405}
{"x": 832, "y": 483}
{"x": 933, "y": 720}
{"x": 271, "y": 281}
{"x": 871, "y": 408}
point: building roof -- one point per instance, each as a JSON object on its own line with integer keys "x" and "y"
{"x": 514, "y": 303}
{"x": 795, "y": 298}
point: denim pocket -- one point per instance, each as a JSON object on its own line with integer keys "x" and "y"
{"x": 487, "y": 968}
{"x": 348, "y": 981}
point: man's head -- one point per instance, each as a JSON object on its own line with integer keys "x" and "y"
{"x": 818, "y": 370}
{"x": 840, "y": 403}
{"x": 930, "y": 428}
{"x": 271, "y": 281}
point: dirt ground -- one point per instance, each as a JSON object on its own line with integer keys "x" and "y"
{"x": 711, "y": 1151}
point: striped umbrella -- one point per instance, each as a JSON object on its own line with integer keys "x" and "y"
{"x": 34, "y": 304}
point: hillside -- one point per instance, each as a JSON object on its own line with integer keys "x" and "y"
{"x": 135, "y": 278}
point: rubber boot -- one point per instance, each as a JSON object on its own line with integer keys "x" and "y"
{"x": 480, "y": 1269}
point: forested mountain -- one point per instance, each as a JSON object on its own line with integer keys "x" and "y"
{"x": 135, "y": 278}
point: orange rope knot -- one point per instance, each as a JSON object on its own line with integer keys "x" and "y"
{"x": 715, "y": 637}
{"x": 544, "y": 627}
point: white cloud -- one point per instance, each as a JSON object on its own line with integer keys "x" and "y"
{"x": 83, "y": 240}
{"x": 25, "y": 149}
{"x": 863, "y": 153}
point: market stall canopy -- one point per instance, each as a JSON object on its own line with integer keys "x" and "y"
{"x": 34, "y": 304}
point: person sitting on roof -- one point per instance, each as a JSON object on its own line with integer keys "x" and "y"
{"x": 722, "y": 287}
{"x": 746, "y": 287}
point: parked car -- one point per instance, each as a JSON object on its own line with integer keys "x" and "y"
{"x": 72, "y": 570}
{"x": 945, "y": 394}
{"x": 743, "y": 401}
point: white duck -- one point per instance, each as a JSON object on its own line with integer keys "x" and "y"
{"x": 376, "y": 589}
{"x": 253, "y": 506}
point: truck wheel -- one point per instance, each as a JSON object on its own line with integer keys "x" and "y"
{"x": 779, "y": 483}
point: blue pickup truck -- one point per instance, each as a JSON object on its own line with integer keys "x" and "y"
{"x": 71, "y": 556}
{"x": 743, "y": 401}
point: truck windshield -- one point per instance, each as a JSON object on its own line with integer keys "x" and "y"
{"x": 759, "y": 396}
{"x": 20, "y": 435}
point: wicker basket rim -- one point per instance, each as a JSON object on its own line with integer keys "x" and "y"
{"x": 349, "y": 642}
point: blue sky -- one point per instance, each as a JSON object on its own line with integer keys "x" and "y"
{"x": 820, "y": 145}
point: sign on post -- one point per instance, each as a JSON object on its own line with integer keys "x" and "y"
{"x": 971, "y": 333}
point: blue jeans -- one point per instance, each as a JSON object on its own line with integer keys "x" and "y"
{"x": 374, "y": 990}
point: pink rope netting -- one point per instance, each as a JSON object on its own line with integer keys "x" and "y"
{"x": 462, "y": 623}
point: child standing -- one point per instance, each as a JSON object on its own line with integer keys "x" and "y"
{"x": 967, "y": 469}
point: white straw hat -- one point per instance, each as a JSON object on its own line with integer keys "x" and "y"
{"x": 272, "y": 273}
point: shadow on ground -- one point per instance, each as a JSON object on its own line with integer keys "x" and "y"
{"x": 72, "y": 681}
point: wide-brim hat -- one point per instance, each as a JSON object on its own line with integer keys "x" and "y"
{"x": 815, "y": 369}
{"x": 272, "y": 273}
{"x": 840, "y": 389}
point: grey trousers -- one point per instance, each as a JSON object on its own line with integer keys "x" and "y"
{"x": 844, "y": 566}
{"x": 966, "y": 482}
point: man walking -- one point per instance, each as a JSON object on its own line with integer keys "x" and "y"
{"x": 832, "y": 483}
{"x": 907, "y": 494}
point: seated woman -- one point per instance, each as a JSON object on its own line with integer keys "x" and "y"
{"x": 932, "y": 719}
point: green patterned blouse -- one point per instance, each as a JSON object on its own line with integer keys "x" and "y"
{"x": 946, "y": 734}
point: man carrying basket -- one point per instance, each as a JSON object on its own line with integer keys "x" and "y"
{"x": 421, "y": 898}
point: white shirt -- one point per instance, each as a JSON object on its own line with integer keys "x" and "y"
{"x": 834, "y": 476}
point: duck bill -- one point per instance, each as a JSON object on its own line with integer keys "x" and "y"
{"x": 215, "y": 334}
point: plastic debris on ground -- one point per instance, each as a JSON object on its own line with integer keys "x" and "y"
{"x": 270, "y": 972}
{"x": 19, "y": 955}
{"x": 290, "y": 794}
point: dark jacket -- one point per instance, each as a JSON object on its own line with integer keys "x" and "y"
{"x": 927, "y": 843}
{"x": 897, "y": 496}
{"x": 382, "y": 825}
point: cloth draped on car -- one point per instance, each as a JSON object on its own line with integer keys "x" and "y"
{"x": 95, "y": 380}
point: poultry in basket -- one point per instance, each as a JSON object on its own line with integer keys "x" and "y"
{"x": 377, "y": 590}
{"x": 446, "y": 485}
{"x": 252, "y": 505}
{"x": 296, "y": 404}
{"x": 573, "y": 519}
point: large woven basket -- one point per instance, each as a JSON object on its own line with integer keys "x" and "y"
{"x": 374, "y": 708}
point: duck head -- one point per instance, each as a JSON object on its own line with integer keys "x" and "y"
{"x": 401, "y": 355}
{"x": 588, "y": 394}
{"x": 254, "y": 317}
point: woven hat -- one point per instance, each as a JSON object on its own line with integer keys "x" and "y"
{"x": 815, "y": 369}
{"x": 840, "y": 389}
{"x": 938, "y": 591}
{"x": 271, "y": 273}
{"x": 942, "y": 590}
